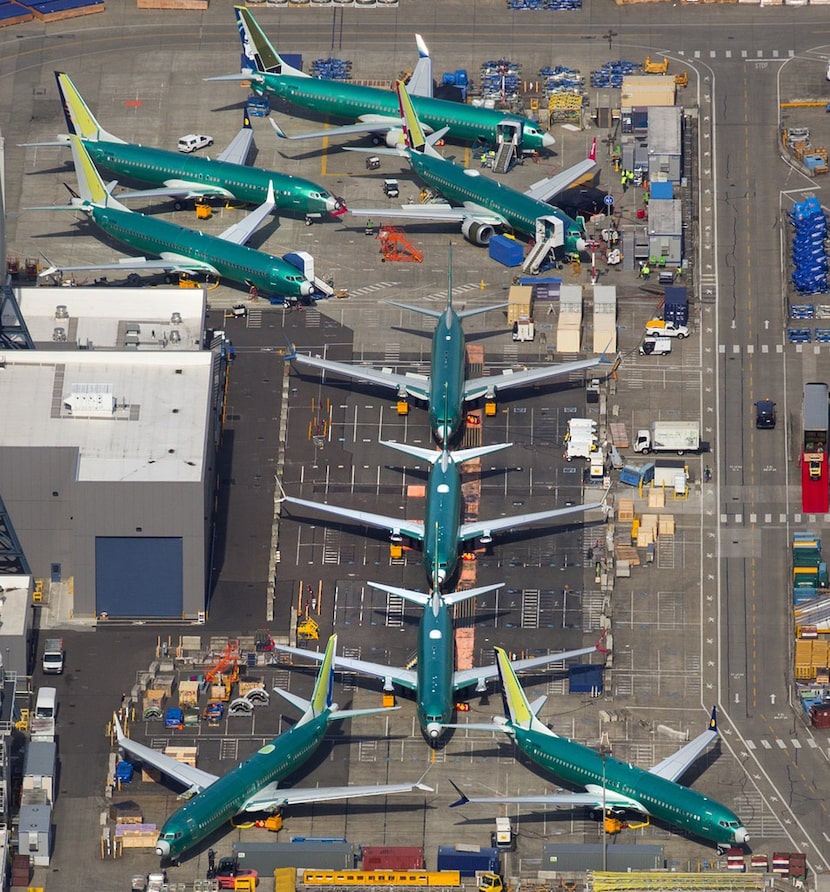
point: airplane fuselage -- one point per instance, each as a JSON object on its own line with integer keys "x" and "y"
{"x": 237, "y": 181}
{"x": 442, "y": 520}
{"x": 446, "y": 377}
{"x": 354, "y": 101}
{"x": 665, "y": 800}
{"x": 461, "y": 185}
{"x": 226, "y": 797}
{"x": 271, "y": 275}
{"x": 436, "y": 659}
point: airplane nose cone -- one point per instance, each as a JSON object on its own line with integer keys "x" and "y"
{"x": 442, "y": 432}
{"x": 548, "y": 141}
{"x": 306, "y": 289}
{"x": 441, "y": 575}
{"x": 335, "y": 206}
{"x": 581, "y": 244}
{"x": 163, "y": 848}
{"x": 741, "y": 836}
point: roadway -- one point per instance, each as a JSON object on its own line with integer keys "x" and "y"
{"x": 705, "y": 630}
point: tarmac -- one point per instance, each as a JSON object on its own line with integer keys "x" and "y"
{"x": 141, "y": 73}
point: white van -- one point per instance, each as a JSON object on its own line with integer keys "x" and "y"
{"x": 46, "y": 704}
{"x": 655, "y": 346}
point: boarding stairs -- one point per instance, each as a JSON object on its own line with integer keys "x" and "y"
{"x": 550, "y": 235}
{"x": 505, "y": 157}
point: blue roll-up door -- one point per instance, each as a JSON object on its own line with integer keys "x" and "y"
{"x": 138, "y": 576}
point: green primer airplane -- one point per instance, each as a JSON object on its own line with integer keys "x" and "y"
{"x": 182, "y": 250}
{"x": 611, "y": 785}
{"x": 253, "y": 785}
{"x": 479, "y": 203}
{"x": 376, "y": 109}
{"x": 446, "y": 390}
{"x": 441, "y": 531}
{"x": 191, "y": 176}
{"x": 433, "y": 680}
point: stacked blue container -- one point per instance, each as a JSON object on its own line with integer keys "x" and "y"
{"x": 809, "y": 254}
{"x": 332, "y": 69}
{"x": 500, "y": 79}
{"x": 612, "y": 73}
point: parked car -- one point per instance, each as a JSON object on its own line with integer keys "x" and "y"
{"x": 194, "y": 141}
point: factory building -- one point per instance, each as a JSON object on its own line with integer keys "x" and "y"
{"x": 108, "y": 448}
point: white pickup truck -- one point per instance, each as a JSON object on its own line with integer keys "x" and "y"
{"x": 657, "y": 328}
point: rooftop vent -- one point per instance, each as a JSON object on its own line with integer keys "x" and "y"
{"x": 61, "y": 312}
{"x": 90, "y": 400}
{"x": 175, "y": 318}
{"x": 58, "y": 334}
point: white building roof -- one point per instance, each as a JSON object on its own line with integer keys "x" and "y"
{"x": 158, "y": 428}
{"x": 99, "y": 317}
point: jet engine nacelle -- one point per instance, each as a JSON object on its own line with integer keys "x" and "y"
{"x": 394, "y": 138}
{"x": 395, "y": 536}
{"x": 476, "y": 232}
{"x": 486, "y": 537}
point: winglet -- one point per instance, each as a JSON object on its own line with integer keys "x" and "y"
{"x": 321, "y": 699}
{"x": 599, "y": 648}
{"x": 592, "y": 155}
{"x": 246, "y": 121}
{"x": 423, "y": 50}
{"x": 291, "y": 352}
{"x": 713, "y": 721}
{"x": 278, "y": 130}
{"x": 462, "y": 800}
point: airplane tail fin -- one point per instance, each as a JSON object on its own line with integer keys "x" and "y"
{"x": 517, "y": 707}
{"x": 79, "y": 119}
{"x": 258, "y": 54}
{"x": 413, "y": 132}
{"x": 90, "y": 185}
{"x": 322, "y": 694}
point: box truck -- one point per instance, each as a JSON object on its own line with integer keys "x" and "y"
{"x": 669, "y": 436}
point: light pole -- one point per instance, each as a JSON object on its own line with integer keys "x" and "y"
{"x": 604, "y": 832}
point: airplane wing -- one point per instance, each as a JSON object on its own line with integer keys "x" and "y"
{"x": 415, "y": 385}
{"x": 271, "y": 798}
{"x": 412, "y": 528}
{"x": 390, "y": 674}
{"x": 673, "y": 767}
{"x": 240, "y": 146}
{"x": 240, "y": 232}
{"x": 177, "y": 189}
{"x": 168, "y": 263}
{"x": 485, "y": 527}
{"x": 369, "y": 124}
{"x": 549, "y": 188}
{"x": 465, "y": 677}
{"x": 442, "y": 213}
{"x": 489, "y": 384}
{"x": 193, "y": 778}
{"x": 560, "y": 800}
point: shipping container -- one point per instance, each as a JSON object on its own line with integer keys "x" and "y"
{"x": 266, "y": 857}
{"x": 585, "y": 679}
{"x": 676, "y": 305}
{"x": 467, "y": 860}
{"x": 506, "y": 251}
{"x": 759, "y": 862}
{"x": 781, "y": 862}
{"x": 565, "y": 858}
{"x": 392, "y": 858}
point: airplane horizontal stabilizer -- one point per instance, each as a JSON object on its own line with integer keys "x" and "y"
{"x": 341, "y": 714}
{"x": 295, "y": 700}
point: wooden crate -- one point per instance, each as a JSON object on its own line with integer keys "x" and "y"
{"x": 665, "y": 525}
{"x": 184, "y": 754}
{"x": 188, "y": 693}
{"x": 625, "y": 510}
{"x": 627, "y": 553}
{"x": 164, "y": 683}
{"x": 619, "y": 435}
{"x": 249, "y": 684}
{"x": 656, "y": 498}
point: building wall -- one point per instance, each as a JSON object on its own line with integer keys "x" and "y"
{"x": 58, "y": 519}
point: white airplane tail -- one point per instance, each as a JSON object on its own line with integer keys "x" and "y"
{"x": 79, "y": 119}
{"x": 420, "y": 84}
{"x": 258, "y": 53}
